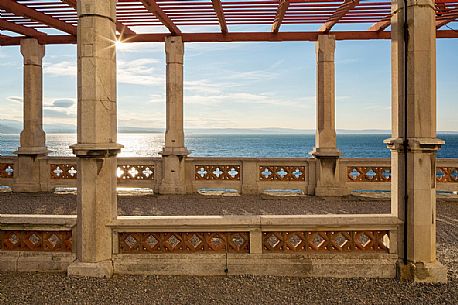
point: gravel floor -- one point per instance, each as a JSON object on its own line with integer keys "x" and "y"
{"x": 40, "y": 288}
{"x": 48, "y": 203}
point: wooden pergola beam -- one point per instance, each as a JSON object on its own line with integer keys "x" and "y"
{"x": 218, "y": 7}
{"x": 381, "y": 25}
{"x": 281, "y": 11}
{"x": 20, "y": 29}
{"x": 22, "y": 10}
{"x": 232, "y": 37}
{"x": 156, "y": 10}
{"x": 448, "y": 16}
{"x": 340, "y": 12}
{"x": 120, "y": 27}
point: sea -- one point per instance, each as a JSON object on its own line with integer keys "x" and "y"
{"x": 236, "y": 145}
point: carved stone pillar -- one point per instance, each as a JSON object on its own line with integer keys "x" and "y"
{"x": 33, "y": 147}
{"x": 97, "y": 146}
{"x": 174, "y": 152}
{"x": 327, "y": 166}
{"x": 414, "y": 144}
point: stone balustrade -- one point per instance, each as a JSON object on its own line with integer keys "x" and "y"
{"x": 37, "y": 242}
{"x": 246, "y": 175}
{"x": 363, "y": 245}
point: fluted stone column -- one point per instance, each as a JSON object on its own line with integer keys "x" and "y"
{"x": 33, "y": 147}
{"x": 97, "y": 138}
{"x": 325, "y": 151}
{"x": 417, "y": 183}
{"x": 174, "y": 152}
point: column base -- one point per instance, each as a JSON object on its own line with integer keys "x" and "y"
{"x": 102, "y": 269}
{"x": 172, "y": 189}
{"x": 32, "y": 151}
{"x": 331, "y": 191}
{"x": 422, "y": 272}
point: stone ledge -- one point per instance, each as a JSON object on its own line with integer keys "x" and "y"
{"x": 26, "y": 261}
{"x": 380, "y": 266}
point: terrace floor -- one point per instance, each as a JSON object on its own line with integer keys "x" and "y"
{"x": 162, "y": 205}
{"x": 48, "y": 288}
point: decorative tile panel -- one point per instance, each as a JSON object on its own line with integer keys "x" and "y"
{"x": 369, "y": 174}
{"x": 123, "y": 172}
{"x": 447, "y": 174}
{"x": 325, "y": 241}
{"x": 50, "y": 241}
{"x": 383, "y": 174}
{"x": 179, "y": 242}
{"x": 217, "y": 172}
{"x": 6, "y": 170}
{"x": 135, "y": 172}
{"x": 63, "y": 171}
{"x": 282, "y": 173}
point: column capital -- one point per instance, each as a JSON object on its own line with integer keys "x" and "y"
{"x": 105, "y": 8}
{"x": 174, "y": 49}
{"x": 32, "y": 51}
{"x": 325, "y": 48}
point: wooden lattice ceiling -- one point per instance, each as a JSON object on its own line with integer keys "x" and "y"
{"x": 55, "y": 21}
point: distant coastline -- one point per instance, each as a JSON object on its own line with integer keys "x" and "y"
{"x": 15, "y": 127}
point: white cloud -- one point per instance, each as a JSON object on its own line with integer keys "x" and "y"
{"x": 16, "y": 99}
{"x": 51, "y": 113}
{"x": 63, "y": 68}
{"x": 61, "y": 103}
{"x": 143, "y": 71}
{"x": 245, "y": 98}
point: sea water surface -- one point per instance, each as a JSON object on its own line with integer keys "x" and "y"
{"x": 237, "y": 145}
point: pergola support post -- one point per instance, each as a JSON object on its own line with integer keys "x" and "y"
{"x": 328, "y": 182}
{"x": 174, "y": 152}
{"x": 33, "y": 147}
{"x": 97, "y": 147}
{"x": 414, "y": 144}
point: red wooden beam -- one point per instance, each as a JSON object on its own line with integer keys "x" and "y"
{"x": 120, "y": 27}
{"x": 447, "y": 16}
{"x": 281, "y": 11}
{"x": 22, "y": 10}
{"x": 20, "y": 29}
{"x": 218, "y": 7}
{"x": 340, "y": 12}
{"x": 156, "y": 10}
{"x": 232, "y": 37}
{"x": 381, "y": 25}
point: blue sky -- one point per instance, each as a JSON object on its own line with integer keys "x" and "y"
{"x": 237, "y": 85}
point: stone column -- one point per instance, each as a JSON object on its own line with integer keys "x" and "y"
{"x": 174, "y": 152}
{"x": 33, "y": 147}
{"x": 414, "y": 144}
{"x": 327, "y": 166}
{"x": 97, "y": 146}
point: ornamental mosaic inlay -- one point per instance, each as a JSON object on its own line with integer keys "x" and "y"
{"x": 123, "y": 172}
{"x": 282, "y": 173}
{"x": 369, "y": 174}
{"x": 51, "y": 241}
{"x": 63, "y": 171}
{"x": 447, "y": 174}
{"x": 326, "y": 241}
{"x": 217, "y": 172}
{"x": 6, "y": 170}
{"x": 383, "y": 174}
{"x": 135, "y": 172}
{"x": 179, "y": 242}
